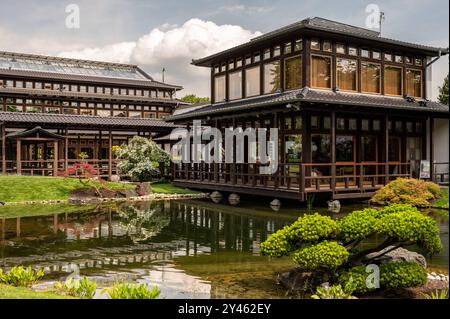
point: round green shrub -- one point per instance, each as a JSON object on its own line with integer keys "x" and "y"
{"x": 277, "y": 244}
{"x": 359, "y": 224}
{"x": 358, "y": 275}
{"x": 327, "y": 254}
{"x": 312, "y": 228}
{"x": 402, "y": 275}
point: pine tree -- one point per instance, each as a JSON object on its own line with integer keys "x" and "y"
{"x": 443, "y": 92}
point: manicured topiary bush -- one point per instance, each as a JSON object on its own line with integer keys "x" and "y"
{"x": 321, "y": 244}
{"x": 413, "y": 192}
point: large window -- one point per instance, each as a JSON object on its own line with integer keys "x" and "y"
{"x": 347, "y": 78}
{"x": 219, "y": 89}
{"x": 235, "y": 85}
{"x": 293, "y": 148}
{"x": 345, "y": 148}
{"x": 252, "y": 82}
{"x": 393, "y": 81}
{"x": 368, "y": 149}
{"x": 321, "y": 148}
{"x": 271, "y": 77}
{"x": 370, "y": 78}
{"x": 293, "y": 73}
{"x": 414, "y": 83}
{"x": 321, "y": 72}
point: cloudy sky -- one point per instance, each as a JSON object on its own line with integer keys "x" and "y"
{"x": 170, "y": 33}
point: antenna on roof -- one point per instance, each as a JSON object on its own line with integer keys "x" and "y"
{"x": 382, "y": 19}
{"x": 163, "y": 74}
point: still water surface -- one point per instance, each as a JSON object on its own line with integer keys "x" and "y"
{"x": 190, "y": 249}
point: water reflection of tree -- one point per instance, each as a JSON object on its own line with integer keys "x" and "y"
{"x": 141, "y": 223}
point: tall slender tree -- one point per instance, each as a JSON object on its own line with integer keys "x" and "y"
{"x": 443, "y": 92}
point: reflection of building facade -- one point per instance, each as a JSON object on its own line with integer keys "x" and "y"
{"x": 80, "y": 106}
{"x": 352, "y": 110}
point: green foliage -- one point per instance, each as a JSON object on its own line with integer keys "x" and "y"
{"x": 443, "y": 92}
{"x": 443, "y": 294}
{"x": 335, "y": 292}
{"x": 410, "y": 226}
{"x": 83, "y": 288}
{"x": 192, "y": 98}
{"x": 357, "y": 276}
{"x": 21, "y": 276}
{"x": 402, "y": 275}
{"x": 307, "y": 229}
{"x": 359, "y": 224}
{"x": 413, "y": 192}
{"x": 140, "y": 159}
{"x": 327, "y": 254}
{"x": 124, "y": 290}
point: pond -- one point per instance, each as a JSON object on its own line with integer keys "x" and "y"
{"x": 190, "y": 249}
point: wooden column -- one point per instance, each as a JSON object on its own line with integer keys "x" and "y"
{"x": 55, "y": 158}
{"x": 386, "y": 150}
{"x": 66, "y": 150}
{"x": 3, "y": 150}
{"x": 432, "y": 147}
{"x": 19, "y": 157}
{"x": 333, "y": 150}
{"x": 110, "y": 154}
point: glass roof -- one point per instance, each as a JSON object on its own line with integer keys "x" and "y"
{"x": 69, "y": 67}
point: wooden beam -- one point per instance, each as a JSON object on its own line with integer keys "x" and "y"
{"x": 55, "y": 158}
{"x": 333, "y": 151}
{"x": 66, "y": 150}
{"x": 3, "y": 149}
{"x": 432, "y": 147}
{"x": 19, "y": 157}
{"x": 110, "y": 154}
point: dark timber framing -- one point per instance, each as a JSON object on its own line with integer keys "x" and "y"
{"x": 346, "y": 144}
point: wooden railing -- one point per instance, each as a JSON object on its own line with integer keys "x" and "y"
{"x": 301, "y": 177}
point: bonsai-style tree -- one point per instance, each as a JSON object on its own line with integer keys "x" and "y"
{"x": 337, "y": 248}
{"x": 140, "y": 159}
{"x": 86, "y": 174}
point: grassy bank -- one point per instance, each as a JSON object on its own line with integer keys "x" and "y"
{"x": 168, "y": 188}
{"x": 9, "y": 292}
{"x": 36, "y": 188}
{"x": 442, "y": 202}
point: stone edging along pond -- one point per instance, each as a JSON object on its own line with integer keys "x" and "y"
{"x": 97, "y": 200}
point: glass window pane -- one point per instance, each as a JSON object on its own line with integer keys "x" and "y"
{"x": 298, "y": 45}
{"x": 370, "y": 78}
{"x": 298, "y": 123}
{"x": 340, "y": 48}
{"x": 340, "y": 123}
{"x": 327, "y": 46}
{"x": 352, "y": 51}
{"x": 271, "y": 77}
{"x": 293, "y": 147}
{"x": 376, "y": 55}
{"x": 369, "y": 148}
{"x": 235, "y": 85}
{"x": 365, "y": 53}
{"x": 414, "y": 83}
{"x": 219, "y": 89}
{"x": 321, "y": 72}
{"x": 267, "y": 54}
{"x": 345, "y": 148}
{"x": 315, "y": 44}
{"x": 393, "y": 81}
{"x": 276, "y": 51}
{"x": 399, "y": 59}
{"x": 288, "y": 48}
{"x": 352, "y": 124}
{"x": 252, "y": 82}
{"x": 321, "y": 148}
{"x": 347, "y": 75}
{"x": 365, "y": 125}
{"x": 293, "y": 73}
{"x": 376, "y": 125}
{"x": 388, "y": 57}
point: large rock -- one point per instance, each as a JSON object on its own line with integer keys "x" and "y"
{"x": 234, "y": 199}
{"x": 144, "y": 189}
{"x": 334, "y": 206}
{"x": 126, "y": 193}
{"x": 115, "y": 178}
{"x": 300, "y": 280}
{"x": 216, "y": 197}
{"x": 398, "y": 255}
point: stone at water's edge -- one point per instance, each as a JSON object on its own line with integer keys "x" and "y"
{"x": 144, "y": 189}
{"x": 234, "y": 199}
{"x": 126, "y": 193}
{"x": 216, "y": 197}
{"x": 399, "y": 254}
{"x": 334, "y": 206}
{"x": 299, "y": 280}
{"x": 115, "y": 178}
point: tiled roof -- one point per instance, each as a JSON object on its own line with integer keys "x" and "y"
{"x": 88, "y": 79}
{"x": 82, "y": 120}
{"x": 320, "y": 24}
{"x": 33, "y": 132}
{"x": 70, "y": 94}
{"x": 315, "y": 96}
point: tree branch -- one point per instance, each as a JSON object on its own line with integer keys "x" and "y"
{"x": 357, "y": 257}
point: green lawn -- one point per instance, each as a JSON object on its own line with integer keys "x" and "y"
{"x": 35, "y": 188}
{"x": 443, "y": 202}
{"x": 168, "y": 188}
{"x": 9, "y": 292}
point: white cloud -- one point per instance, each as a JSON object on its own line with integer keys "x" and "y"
{"x": 173, "y": 47}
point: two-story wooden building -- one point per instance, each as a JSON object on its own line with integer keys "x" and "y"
{"x": 351, "y": 107}
{"x": 52, "y": 109}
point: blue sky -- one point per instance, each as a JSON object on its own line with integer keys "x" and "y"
{"x": 142, "y": 32}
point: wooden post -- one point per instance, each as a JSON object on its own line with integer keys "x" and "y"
{"x": 333, "y": 151}
{"x": 386, "y": 150}
{"x": 432, "y": 148}
{"x": 19, "y": 157}
{"x": 110, "y": 154}
{"x": 55, "y": 158}
{"x": 66, "y": 150}
{"x": 3, "y": 150}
